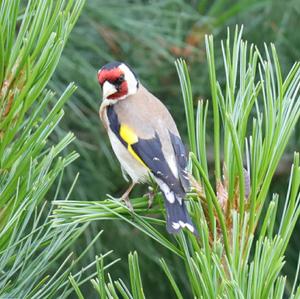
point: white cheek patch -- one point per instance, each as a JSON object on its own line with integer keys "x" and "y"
{"x": 131, "y": 80}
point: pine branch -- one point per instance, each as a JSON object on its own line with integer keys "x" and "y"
{"x": 255, "y": 113}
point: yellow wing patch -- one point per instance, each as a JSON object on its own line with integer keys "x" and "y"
{"x": 128, "y": 135}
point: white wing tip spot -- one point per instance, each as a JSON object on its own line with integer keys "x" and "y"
{"x": 168, "y": 194}
{"x": 170, "y": 197}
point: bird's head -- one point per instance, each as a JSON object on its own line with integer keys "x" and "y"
{"x": 117, "y": 81}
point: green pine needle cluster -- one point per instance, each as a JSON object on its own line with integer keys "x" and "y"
{"x": 251, "y": 113}
{"x": 254, "y": 116}
{"x": 35, "y": 259}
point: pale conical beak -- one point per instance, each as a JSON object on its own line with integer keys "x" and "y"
{"x": 108, "y": 89}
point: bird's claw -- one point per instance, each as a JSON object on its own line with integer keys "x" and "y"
{"x": 127, "y": 203}
{"x": 123, "y": 198}
{"x": 150, "y": 194}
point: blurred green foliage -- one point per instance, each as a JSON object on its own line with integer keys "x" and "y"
{"x": 149, "y": 35}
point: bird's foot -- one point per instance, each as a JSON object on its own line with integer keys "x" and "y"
{"x": 125, "y": 197}
{"x": 150, "y": 194}
{"x": 127, "y": 202}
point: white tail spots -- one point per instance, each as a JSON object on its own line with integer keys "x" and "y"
{"x": 177, "y": 225}
{"x": 155, "y": 159}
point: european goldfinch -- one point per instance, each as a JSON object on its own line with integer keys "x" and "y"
{"x": 145, "y": 139}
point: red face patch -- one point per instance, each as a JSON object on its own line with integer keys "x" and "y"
{"x": 122, "y": 91}
{"x": 114, "y": 76}
{"x": 109, "y": 75}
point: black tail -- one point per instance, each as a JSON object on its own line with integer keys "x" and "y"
{"x": 177, "y": 216}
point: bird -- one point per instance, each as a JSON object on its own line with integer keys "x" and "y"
{"x": 146, "y": 141}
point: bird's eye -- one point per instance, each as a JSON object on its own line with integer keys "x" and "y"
{"x": 119, "y": 80}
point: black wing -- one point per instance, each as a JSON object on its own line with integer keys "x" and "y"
{"x": 150, "y": 152}
{"x": 181, "y": 159}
